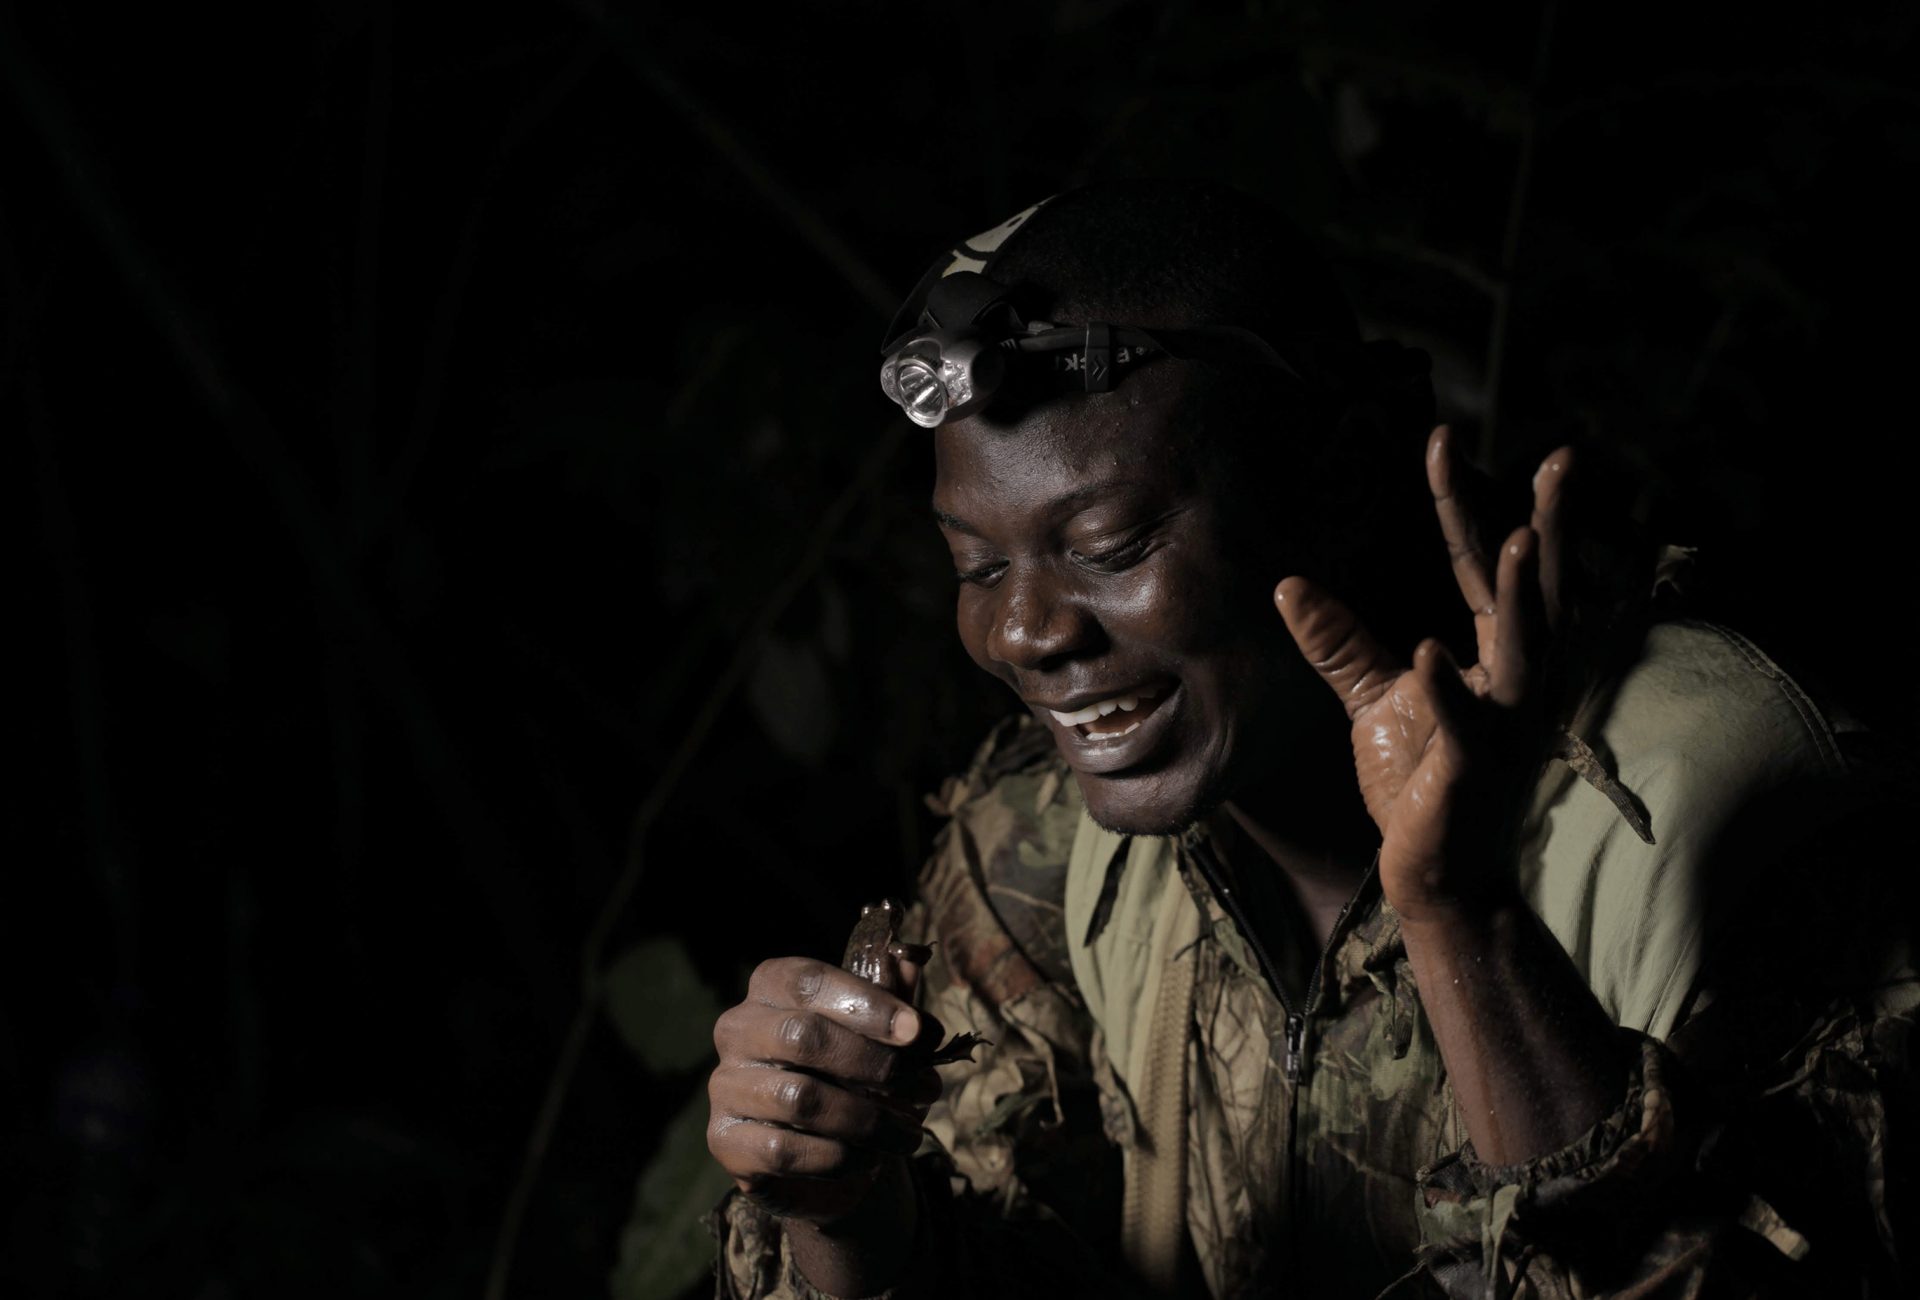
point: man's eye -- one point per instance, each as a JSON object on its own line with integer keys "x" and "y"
{"x": 1118, "y": 558}
{"x": 983, "y": 575}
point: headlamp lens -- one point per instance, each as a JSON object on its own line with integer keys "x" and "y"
{"x": 918, "y": 389}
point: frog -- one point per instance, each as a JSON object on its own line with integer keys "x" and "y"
{"x": 874, "y": 953}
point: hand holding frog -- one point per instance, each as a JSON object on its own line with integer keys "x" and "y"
{"x": 825, "y": 1074}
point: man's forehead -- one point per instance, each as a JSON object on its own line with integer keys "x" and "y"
{"x": 1132, "y": 432}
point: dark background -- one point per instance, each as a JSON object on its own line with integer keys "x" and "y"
{"x": 457, "y": 528}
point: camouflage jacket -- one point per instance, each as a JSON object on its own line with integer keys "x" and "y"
{"x": 1762, "y": 1142}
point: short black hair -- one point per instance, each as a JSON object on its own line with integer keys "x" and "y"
{"x": 1172, "y": 253}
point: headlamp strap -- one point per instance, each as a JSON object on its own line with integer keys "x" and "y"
{"x": 975, "y": 255}
{"x": 967, "y": 300}
{"x": 1096, "y": 358}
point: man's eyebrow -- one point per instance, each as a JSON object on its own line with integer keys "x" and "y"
{"x": 1065, "y": 503}
{"x": 1089, "y": 491}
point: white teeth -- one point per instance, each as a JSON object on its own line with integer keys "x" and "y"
{"x": 1101, "y": 708}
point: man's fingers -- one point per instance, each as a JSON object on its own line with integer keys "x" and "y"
{"x": 1330, "y": 636}
{"x": 749, "y": 1149}
{"x": 865, "y": 1008}
{"x": 809, "y": 1041}
{"x": 1550, "y": 521}
{"x": 1519, "y": 633}
{"x": 1455, "y": 501}
{"x": 810, "y": 1104}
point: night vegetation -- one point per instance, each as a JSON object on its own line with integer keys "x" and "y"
{"x": 475, "y": 602}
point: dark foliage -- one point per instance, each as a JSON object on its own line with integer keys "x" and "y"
{"x": 416, "y": 414}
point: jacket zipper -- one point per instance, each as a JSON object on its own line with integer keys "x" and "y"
{"x": 1296, "y": 1030}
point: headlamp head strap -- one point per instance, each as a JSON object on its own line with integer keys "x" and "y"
{"x": 958, "y": 337}
{"x": 977, "y": 254}
{"x": 968, "y": 336}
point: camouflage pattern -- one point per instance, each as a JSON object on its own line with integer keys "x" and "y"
{"x": 1765, "y": 1148}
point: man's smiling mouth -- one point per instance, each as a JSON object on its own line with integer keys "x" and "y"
{"x": 1112, "y": 717}
{"x": 1121, "y": 732}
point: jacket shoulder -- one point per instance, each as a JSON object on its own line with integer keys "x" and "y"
{"x": 1017, "y": 750}
{"x": 1731, "y": 769}
{"x": 1704, "y": 694}
{"x": 1021, "y": 1121}
{"x": 996, "y": 883}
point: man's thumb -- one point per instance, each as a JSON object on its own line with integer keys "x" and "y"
{"x": 1331, "y": 638}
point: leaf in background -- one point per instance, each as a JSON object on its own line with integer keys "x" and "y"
{"x": 793, "y": 699}
{"x": 665, "y": 1247}
{"x": 661, "y": 1006}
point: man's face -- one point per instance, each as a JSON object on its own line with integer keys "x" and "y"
{"x": 1105, "y": 566}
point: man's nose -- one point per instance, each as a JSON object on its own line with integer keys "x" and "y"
{"x": 1037, "y": 622}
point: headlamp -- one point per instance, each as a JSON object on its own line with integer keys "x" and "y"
{"x": 958, "y": 340}
{"x": 936, "y": 377}
{"x": 968, "y": 341}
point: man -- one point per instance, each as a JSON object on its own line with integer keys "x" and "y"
{"x": 1308, "y": 968}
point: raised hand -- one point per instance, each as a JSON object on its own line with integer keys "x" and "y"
{"x": 1441, "y": 753}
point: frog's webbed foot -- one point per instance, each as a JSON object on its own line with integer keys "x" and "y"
{"x": 959, "y": 1048}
